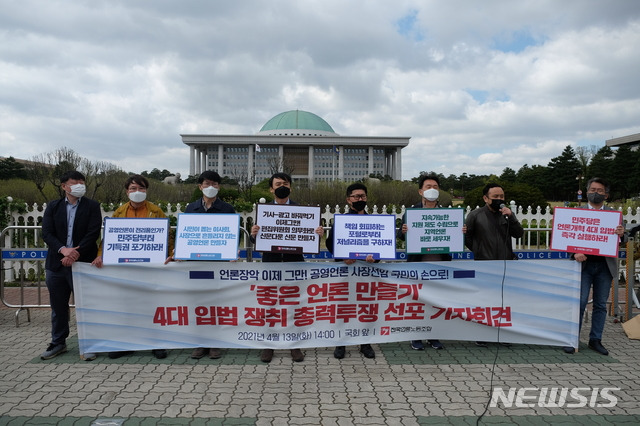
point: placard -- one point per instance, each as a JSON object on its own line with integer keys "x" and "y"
{"x": 586, "y": 231}
{"x": 207, "y": 236}
{"x": 286, "y": 228}
{"x": 434, "y": 231}
{"x": 358, "y": 235}
{"x": 135, "y": 240}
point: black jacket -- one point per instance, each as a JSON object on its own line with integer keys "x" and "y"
{"x": 86, "y": 230}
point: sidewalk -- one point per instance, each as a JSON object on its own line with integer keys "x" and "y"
{"x": 399, "y": 387}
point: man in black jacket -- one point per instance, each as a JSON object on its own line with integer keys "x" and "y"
{"x": 280, "y": 187}
{"x": 357, "y": 201}
{"x": 70, "y": 227}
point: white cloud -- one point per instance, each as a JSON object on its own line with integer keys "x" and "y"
{"x": 120, "y": 81}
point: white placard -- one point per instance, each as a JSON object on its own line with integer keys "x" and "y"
{"x": 586, "y": 231}
{"x": 135, "y": 240}
{"x": 358, "y": 235}
{"x": 434, "y": 231}
{"x": 286, "y": 228}
{"x": 207, "y": 236}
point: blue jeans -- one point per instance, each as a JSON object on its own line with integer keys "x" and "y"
{"x": 598, "y": 275}
{"x": 60, "y": 285}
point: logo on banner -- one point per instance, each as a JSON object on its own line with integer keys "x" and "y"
{"x": 385, "y": 331}
{"x": 555, "y": 397}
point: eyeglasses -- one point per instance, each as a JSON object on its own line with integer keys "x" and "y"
{"x": 358, "y": 196}
{"x": 599, "y": 191}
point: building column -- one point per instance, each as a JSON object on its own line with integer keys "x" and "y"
{"x": 192, "y": 160}
{"x": 280, "y": 158}
{"x": 370, "y": 160}
{"x": 398, "y": 167}
{"x": 310, "y": 162}
{"x": 220, "y": 168}
{"x": 251, "y": 177}
{"x": 341, "y": 163}
{"x": 203, "y": 160}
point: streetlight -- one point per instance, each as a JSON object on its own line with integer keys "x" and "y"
{"x": 579, "y": 179}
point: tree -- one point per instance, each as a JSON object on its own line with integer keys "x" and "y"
{"x": 11, "y": 169}
{"x": 584, "y": 155}
{"x": 563, "y": 171}
{"x": 623, "y": 179}
{"x": 601, "y": 164}
{"x": 508, "y": 175}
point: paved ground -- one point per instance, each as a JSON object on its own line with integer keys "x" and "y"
{"x": 399, "y": 387}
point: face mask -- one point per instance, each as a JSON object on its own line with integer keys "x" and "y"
{"x": 138, "y": 196}
{"x": 282, "y": 192}
{"x": 359, "y": 205}
{"x": 210, "y": 191}
{"x": 78, "y": 190}
{"x": 495, "y": 204}
{"x": 595, "y": 198}
{"x": 431, "y": 194}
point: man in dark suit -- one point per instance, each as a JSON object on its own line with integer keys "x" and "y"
{"x": 597, "y": 272}
{"x": 70, "y": 227}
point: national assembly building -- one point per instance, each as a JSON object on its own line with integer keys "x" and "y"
{"x": 299, "y": 143}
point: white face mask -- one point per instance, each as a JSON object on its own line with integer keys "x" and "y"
{"x": 78, "y": 190}
{"x": 431, "y": 194}
{"x": 210, "y": 191}
{"x": 138, "y": 196}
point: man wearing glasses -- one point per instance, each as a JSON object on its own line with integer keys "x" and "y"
{"x": 357, "y": 201}
{"x": 597, "y": 271}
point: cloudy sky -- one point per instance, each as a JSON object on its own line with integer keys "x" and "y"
{"x": 477, "y": 85}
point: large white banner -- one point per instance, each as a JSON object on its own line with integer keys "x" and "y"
{"x": 297, "y": 304}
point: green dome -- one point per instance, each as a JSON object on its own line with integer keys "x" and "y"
{"x": 297, "y": 123}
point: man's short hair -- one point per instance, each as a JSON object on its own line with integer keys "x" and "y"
{"x": 601, "y": 182}
{"x": 427, "y": 177}
{"x": 138, "y": 180}
{"x": 209, "y": 175}
{"x": 71, "y": 174}
{"x": 355, "y": 186}
{"x": 488, "y": 186}
{"x": 285, "y": 177}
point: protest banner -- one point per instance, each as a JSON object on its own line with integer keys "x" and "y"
{"x": 586, "y": 231}
{"x": 207, "y": 236}
{"x": 266, "y": 305}
{"x": 434, "y": 231}
{"x": 286, "y": 228}
{"x": 133, "y": 240}
{"x": 358, "y": 235}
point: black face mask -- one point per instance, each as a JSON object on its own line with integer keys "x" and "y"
{"x": 359, "y": 205}
{"x": 595, "y": 198}
{"x": 282, "y": 192}
{"x": 496, "y": 203}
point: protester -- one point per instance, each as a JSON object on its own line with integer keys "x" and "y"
{"x": 137, "y": 207}
{"x": 597, "y": 272}
{"x": 280, "y": 187}
{"x": 357, "y": 201}
{"x": 209, "y": 184}
{"x": 70, "y": 227}
{"x": 489, "y": 229}
{"x": 428, "y": 188}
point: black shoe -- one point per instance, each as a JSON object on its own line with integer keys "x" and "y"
{"x": 367, "y": 351}
{"x": 435, "y": 344}
{"x": 482, "y": 344}
{"x": 569, "y": 350}
{"x": 53, "y": 351}
{"x": 159, "y": 353}
{"x": 116, "y": 355}
{"x": 596, "y": 345}
{"x": 338, "y": 353}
